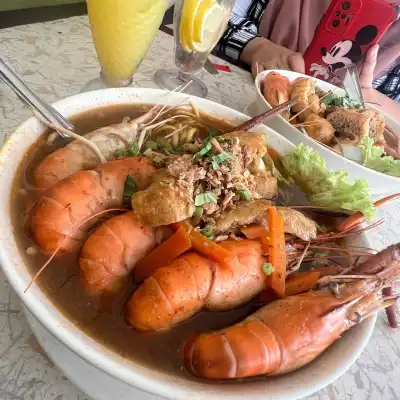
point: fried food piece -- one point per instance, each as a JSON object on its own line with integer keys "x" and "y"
{"x": 358, "y": 123}
{"x": 376, "y": 125}
{"x": 165, "y": 201}
{"x": 251, "y": 144}
{"x": 255, "y": 212}
{"x": 319, "y": 128}
{"x": 302, "y": 89}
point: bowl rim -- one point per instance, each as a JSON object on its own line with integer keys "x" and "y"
{"x": 69, "y": 334}
{"x": 375, "y": 174}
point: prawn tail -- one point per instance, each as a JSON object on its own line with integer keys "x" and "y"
{"x": 109, "y": 254}
{"x": 245, "y": 349}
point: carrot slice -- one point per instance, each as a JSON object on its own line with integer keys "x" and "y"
{"x": 302, "y": 282}
{"x": 209, "y": 248}
{"x": 204, "y": 246}
{"x": 254, "y": 231}
{"x": 164, "y": 254}
{"x": 277, "y": 252}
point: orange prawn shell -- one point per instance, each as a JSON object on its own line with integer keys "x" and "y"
{"x": 112, "y": 251}
{"x": 276, "y": 89}
{"x": 191, "y": 282}
{"x": 76, "y": 198}
{"x": 279, "y": 338}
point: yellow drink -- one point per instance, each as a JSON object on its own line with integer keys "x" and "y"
{"x": 122, "y": 32}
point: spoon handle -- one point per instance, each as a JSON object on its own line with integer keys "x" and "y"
{"x": 40, "y": 108}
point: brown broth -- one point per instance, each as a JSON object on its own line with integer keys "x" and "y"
{"x": 102, "y": 318}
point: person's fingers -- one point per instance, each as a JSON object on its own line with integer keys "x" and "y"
{"x": 284, "y": 64}
{"x": 368, "y": 67}
{"x": 296, "y": 63}
{"x": 271, "y": 64}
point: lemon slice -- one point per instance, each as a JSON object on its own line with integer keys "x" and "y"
{"x": 208, "y": 24}
{"x": 189, "y": 12}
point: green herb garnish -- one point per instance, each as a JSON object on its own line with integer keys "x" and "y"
{"x": 221, "y": 159}
{"x": 164, "y": 146}
{"x": 207, "y": 232}
{"x": 129, "y": 190}
{"x": 333, "y": 99}
{"x": 203, "y": 198}
{"x": 268, "y": 268}
{"x": 150, "y": 144}
{"x": 244, "y": 194}
{"x": 158, "y": 161}
{"x": 132, "y": 150}
{"x": 198, "y": 213}
{"x": 204, "y": 151}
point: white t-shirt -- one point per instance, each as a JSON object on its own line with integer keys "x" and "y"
{"x": 240, "y": 8}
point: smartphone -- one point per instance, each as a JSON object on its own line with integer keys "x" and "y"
{"x": 346, "y": 32}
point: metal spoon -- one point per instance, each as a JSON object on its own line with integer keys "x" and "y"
{"x": 43, "y": 110}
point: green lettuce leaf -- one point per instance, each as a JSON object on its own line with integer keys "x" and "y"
{"x": 324, "y": 188}
{"x": 374, "y": 157}
{"x": 274, "y": 170}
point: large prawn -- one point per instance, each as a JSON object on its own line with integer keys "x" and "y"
{"x": 291, "y": 332}
{"x": 192, "y": 282}
{"x": 80, "y": 155}
{"x": 276, "y": 90}
{"x": 101, "y": 145}
{"x": 56, "y": 220}
{"x": 113, "y": 249}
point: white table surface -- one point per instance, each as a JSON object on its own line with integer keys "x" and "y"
{"x": 56, "y": 59}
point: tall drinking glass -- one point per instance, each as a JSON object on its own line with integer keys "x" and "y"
{"x": 122, "y": 32}
{"x": 198, "y": 26}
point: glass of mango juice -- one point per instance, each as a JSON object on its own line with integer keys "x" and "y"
{"x": 123, "y": 31}
{"x": 198, "y": 26}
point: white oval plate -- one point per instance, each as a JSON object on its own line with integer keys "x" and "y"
{"x": 381, "y": 184}
{"x": 329, "y": 366}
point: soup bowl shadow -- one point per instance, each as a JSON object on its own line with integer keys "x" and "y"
{"x": 328, "y": 367}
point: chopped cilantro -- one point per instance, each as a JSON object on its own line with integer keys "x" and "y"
{"x": 340, "y": 101}
{"x": 207, "y": 232}
{"x": 132, "y": 150}
{"x": 129, "y": 190}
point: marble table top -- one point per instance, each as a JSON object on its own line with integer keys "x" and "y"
{"x": 57, "y": 59}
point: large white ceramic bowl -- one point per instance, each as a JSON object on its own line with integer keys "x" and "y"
{"x": 381, "y": 184}
{"x": 313, "y": 377}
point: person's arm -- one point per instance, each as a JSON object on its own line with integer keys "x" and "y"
{"x": 242, "y": 27}
{"x": 370, "y": 94}
{"x": 241, "y": 41}
{"x": 262, "y": 54}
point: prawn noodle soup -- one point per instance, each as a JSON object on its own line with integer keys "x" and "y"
{"x": 102, "y": 315}
{"x": 99, "y": 316}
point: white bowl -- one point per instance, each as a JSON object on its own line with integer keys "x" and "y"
{"x": 332, "y": 363}
{"x": 381, "y": 184}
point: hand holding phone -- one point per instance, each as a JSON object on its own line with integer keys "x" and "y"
{"x": 346, "y": 32}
